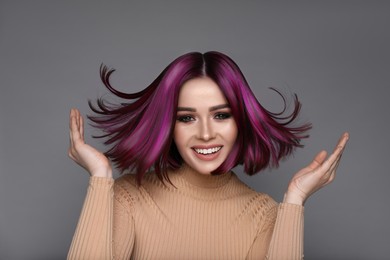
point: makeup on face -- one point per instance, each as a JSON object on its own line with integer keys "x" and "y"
{"x": 205, "y": 130}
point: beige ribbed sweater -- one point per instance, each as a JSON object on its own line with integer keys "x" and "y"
{"x": 204, "y": 217}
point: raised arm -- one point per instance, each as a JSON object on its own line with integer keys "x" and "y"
{"x": 287, "y": 236}
{"x": 103, "y": 219}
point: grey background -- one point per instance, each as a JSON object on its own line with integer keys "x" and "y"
{"x": 333, "y": 54}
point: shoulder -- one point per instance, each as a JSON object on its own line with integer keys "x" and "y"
{"x": 126, "y": 182}
{"x": 127, "y": 185}
{"x": 126, "y": 189}
{"x": 259, "y": 203}
{"x": 130, "y": 194}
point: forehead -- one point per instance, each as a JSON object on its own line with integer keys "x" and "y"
{"x": 201, "y": 92}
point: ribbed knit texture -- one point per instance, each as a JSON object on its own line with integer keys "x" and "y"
{"x": 202, "y": 217}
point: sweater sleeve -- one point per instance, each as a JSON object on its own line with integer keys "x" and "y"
{"x": 287, "y": 236}
{"x": 281, "y": 234}
{"x": 97, "y": 231}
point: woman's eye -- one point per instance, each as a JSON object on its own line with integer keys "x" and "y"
{"x": 185, "y": 119}
{"x": 222, "y": 116}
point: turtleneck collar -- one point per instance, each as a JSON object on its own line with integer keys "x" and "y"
{"x": 205, "y": 181}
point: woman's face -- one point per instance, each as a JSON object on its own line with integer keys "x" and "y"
{"x": 205, "y": 130}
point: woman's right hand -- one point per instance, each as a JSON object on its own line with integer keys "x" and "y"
{"x": 95, "y": 162}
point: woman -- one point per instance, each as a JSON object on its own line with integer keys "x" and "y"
{"x": 181, "y": 136}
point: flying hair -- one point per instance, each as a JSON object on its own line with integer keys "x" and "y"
{"x": 139, "y": 130}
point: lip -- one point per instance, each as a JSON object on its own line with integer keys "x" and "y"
{"x": 206, "y": 146}
{"x": 207, "y": 157}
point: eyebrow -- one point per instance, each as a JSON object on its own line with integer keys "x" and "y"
{"x": 213, "y": 108}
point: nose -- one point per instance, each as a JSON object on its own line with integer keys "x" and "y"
{"x": 206, "y": 130}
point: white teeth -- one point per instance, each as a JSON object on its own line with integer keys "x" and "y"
{"x": 208, "y": 151}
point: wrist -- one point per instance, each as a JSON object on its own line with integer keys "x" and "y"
{"x": 107, "y": 173}
{"x": 293, "y": 198}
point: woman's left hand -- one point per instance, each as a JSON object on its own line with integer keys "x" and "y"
{"x": 319, "y": 173}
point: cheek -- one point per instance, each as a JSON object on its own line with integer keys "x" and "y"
{"x": 178, "y": 137}
{"x": 234, "y": 131}
{"x": 231, "y": 132}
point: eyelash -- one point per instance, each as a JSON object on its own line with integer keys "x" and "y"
{"x": 222, "y": 116}
{"x": 185, "y": 118}
{"x": 189, "y": 118}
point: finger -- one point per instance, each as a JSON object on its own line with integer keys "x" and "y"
{"x": 334, "y": 166}
{"x": 337, "y": 152}
{"x": 74, "y": 130}
{"x": 72, "y": 144}
{"x": 329, "y": 167}
{"x": 70, "y": 124}
{"x": 78, "y": 119}
{"x": 70, "y": 140}
{"x": 332, "y": 173}
{"x": 73, "y": 134}
{"x": 333, "y": 161}
{"x": 331, "y": 178}
{"x": 71, "y": 150}
{"x": 70, "y": 154}
{"x": 318, "y": 160}
{"x": 341, "y": 143}
{"x": 82, "y": 127}
{"x": 71, "y": 116}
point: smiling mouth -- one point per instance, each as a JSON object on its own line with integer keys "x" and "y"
{"x": 207, "y": 151}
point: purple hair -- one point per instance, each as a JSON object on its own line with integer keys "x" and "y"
{"x": 141, "y": 130}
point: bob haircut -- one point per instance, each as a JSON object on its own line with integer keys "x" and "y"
{"x": 141, "y": 130}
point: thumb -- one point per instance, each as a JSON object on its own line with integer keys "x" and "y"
{"x": 318, "y": 159}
